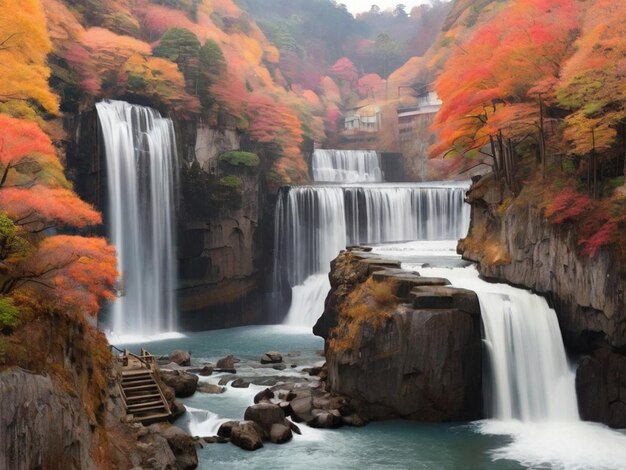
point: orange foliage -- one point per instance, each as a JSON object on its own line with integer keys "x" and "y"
{"x": 71, "y": 272}
{"x": 39, "y": 206}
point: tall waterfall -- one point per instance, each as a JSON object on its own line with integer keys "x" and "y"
{"x": 314, "y": 223}
{"x": 140, "y": 152}
{"x": 346, "y": 166}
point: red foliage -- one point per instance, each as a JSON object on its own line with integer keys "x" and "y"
{"x": 600, "y": 238}
{"x": 567, "y": 205}
{"x": 344, "y": 69}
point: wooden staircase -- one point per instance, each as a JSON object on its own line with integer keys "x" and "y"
{"x": 142, "y": 395}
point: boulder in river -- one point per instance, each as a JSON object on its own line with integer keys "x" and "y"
{"x": 272, "y": 357}
{"x": 264, "y": 395}
{"x": 280, "y": 433}
{"x": 226, "y": 428}
{"x": 180, "y": 357}
{"x": 183, "y": 383}
{"x": 206, "y": 387}
{"x": 265, "y": 415}
{"x": 240, "y": 383}
{"x": 248, "y": 435}
{"x": 227, "y": 362}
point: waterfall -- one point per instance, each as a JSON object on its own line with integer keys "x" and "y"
{"x": 314, "y": 223}
{"x": 140, "y": 150}
{"x": 346, "y": 166}
{"x": 529, "y": 378}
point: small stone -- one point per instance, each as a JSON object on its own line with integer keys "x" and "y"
{"x": 279, "y": 366}
{"x": 206, "y": 387}
{"x": 240, "y": 383}
{"x": 271, "y": 357}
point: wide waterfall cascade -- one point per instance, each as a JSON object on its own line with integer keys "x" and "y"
{"x": 346, "y": 166}
{"x": 314, "y": 223}
{"x": 140, "y": 150}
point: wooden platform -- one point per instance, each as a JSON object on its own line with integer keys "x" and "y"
{"x": 142, "y": 395}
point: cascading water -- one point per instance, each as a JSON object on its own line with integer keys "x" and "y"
{"x": 314, "y": 223}
{"x": 140, "y": 150}
{"x": 530, "y": 391}
{"x": 346, "y": 166}
{"x": 529, "y": 377}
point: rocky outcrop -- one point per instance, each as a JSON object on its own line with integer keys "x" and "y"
{"x": 42, "y": 425}
{"x": 399, "y": 345}
{"x": 587, "y": 293}
{"x": 512, "y": 241}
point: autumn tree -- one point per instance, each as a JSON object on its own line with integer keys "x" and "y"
{"x": 24, "y": 45}
{"x": 493, "y": 85}
{"x": 72, "y": 272}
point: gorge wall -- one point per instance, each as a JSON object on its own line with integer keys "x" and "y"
{"x": 512, "y": 241}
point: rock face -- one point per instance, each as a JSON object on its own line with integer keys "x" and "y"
{"x": 182, "y": 445}
{"x": 415, "y": 355}
{"x": 42, "y": 425}
{"x": 601, "y": 388}
{"x": 587, "y": 293}
{"x": 519, "y": 246}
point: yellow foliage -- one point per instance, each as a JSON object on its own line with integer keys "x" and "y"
{"x": 24, "y": 46}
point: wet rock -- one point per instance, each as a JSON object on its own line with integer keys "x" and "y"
{"x": 180, "y": 357}
{"x": 206, "y": 387}
{"x": 326, "y": 419}
{"x": 226, "y": 428}
{"x": 271, "y": 357}
{"x": 203, "y": 371}
{"x": 279, "y": 367}
{"x": 247, "y": 435}
{"x": 265, "y": 415}
{"x": 279, "y": 433}
{"x": 240, "y": 383}
{"x": 176, "y": 407}
{"x": 312, "y": 370}
{"x": 227, "y": 362}
{"x": 601, "y": 388}
{"x": 265, "y": 395}
{"x": 181, "y": 444}
{"x": 301, "y": 406}
{"x": 183, "y": 383}
{"x": 215, "y": 440}
{"x": 294, "y": 427}
{"x": 354, "y": 421}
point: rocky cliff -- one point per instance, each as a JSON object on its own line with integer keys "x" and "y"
{"x": 400, "y": 345}
{"x": 61, "y": 407}
{"x": 512, "y": 241}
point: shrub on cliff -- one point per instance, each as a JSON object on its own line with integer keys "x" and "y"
{"x": 236, "y": 158}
